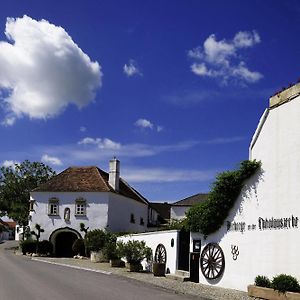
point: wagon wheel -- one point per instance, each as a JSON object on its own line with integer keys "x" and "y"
{"x": 160, "y": 254}
{"x": 212, "y": 261}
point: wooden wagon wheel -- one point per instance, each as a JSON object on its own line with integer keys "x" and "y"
{"x": 160, "y": 254}
{"x": 212, "y": 261}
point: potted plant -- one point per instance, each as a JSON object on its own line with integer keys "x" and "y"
{"x": 95, "y": 242}
{"x": 111, "y": 250}
{"x": 135, "y": 252}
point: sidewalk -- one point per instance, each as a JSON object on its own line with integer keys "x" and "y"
{"x": 187, "y": 288}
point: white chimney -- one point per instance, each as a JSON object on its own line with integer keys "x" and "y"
{"x": 114, "y": 174}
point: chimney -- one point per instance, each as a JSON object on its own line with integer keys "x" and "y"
{"x": 114, "y": 174}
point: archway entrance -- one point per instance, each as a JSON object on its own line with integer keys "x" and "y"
{"x": 62, "y": 240}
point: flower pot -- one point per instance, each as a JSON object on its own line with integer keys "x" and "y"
{"x": 97, "y": 256}
{"x": 159, "y": 269}
{"x": 116, "y": 263}
{"x": 134, "y": 267}
{"x": 266, "y": 293}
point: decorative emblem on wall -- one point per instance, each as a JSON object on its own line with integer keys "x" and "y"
{"x": 160, "y": 254}
{"x": 212, "y": 261}
{"x": 235, "y": 251}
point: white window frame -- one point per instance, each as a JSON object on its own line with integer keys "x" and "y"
{"x": 80, "y": 207}
{"x": 53, "y": 207}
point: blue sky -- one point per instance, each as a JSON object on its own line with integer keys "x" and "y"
{"x": 174, "y": 89}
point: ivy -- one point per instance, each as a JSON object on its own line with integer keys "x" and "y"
{"x": 208, "y": 216}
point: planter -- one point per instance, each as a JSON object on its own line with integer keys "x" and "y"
{"x": 266, "y": 293}
{"x": 134, "y": 267}
{"x": 97, "y": 256}
{"x": 116, "y": 263}
{"x": 159, "y": 269}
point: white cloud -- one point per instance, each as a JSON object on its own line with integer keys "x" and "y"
{"x": 132, "y": 68}
{"x": 10, "y": 164}
{"x": 222, "y": 59}
{"x": 8, "y": 121}
{"x": 51, "y": 160}
{"x": 166, "y": 175}
{"x": 146, "y": 124}
{"x": 143, "y": 123}
{"x": 43, "y": 70}
{"x": 82, "y": 129}
{"x": 105, "y": 143}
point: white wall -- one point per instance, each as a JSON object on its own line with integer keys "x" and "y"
{"x": 273, "y": 193}
{"x": 96, "y": 211}
{"x": 152, "y": 239}
{"x": 120, "y": 209}
{"x": 178, "y": 212}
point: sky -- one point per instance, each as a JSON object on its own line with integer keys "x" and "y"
{"x": 174, "y": 89}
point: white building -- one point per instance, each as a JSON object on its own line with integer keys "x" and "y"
{"x": 261, "y": 235}
{"x": 179, "y": 208}
{"x": 86, "y": 195}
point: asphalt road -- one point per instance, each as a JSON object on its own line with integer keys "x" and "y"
{"x": 24, "y": 279}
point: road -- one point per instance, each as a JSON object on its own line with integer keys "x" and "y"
{"x": 24, "y": 279}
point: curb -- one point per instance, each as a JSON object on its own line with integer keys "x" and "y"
{"x": 70, "y": 266}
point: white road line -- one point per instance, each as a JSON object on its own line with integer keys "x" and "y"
{"x": 70, "y": 266}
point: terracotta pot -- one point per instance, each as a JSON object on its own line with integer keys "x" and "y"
{"x": 159, "y": 269}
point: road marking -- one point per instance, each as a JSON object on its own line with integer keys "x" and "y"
{"x": 70, "y": 266}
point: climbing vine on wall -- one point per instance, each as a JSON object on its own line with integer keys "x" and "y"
{"x": 208, "y": 216}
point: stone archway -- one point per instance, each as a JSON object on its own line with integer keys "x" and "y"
{"x": 62, "y": 240}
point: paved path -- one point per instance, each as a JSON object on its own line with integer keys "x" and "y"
{"x": 22, "y": 278}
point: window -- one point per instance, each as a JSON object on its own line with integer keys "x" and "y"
{"x": 31, "y": 205}
{"x": 142, "y": 221}
{"x": 132, "y": 220}
{"x": 53, "y": 207}
{"x": 80, "y": 207}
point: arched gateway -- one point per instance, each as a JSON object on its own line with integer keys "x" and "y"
{"x": 62, "y": 240}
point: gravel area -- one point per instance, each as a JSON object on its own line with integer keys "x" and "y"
{"x": 187, "y": 288}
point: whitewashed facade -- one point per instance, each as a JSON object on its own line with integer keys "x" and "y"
{"x": 261, "y": 236}
{"x": 87, "y": 195}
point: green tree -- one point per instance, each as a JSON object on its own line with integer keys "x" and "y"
{"x": 15, "y": 186}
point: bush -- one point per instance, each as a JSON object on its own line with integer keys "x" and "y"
{"x": 28, "y": 246}
{"x": 262, "y": 281}
{"x": 78, "y": 247}
{"x": 110, "y": 249}
{"x": 134, "y": 251}
{"x": 45, "y": 247}
{"x": 285, "y": 283}
{"x": 95, "y": 240}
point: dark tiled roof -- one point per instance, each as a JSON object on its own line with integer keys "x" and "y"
{"x": 87, "y": 179}
{"x": 191, "y": 200}
{"x": 163, "y": 209}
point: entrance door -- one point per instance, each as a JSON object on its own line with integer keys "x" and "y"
{"x": 194, "y": 266}
{"x": 184, "y": 250}
{"x": 63, "y": 244}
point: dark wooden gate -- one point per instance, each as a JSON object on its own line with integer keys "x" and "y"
{"x": 194, "y": 266}
{"x": 184, "y": 250}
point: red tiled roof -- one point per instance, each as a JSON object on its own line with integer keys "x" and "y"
{"x": 87, "y": 179}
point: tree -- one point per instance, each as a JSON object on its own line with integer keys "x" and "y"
{"x": 15, "y": 185}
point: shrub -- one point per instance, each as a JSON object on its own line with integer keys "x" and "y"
{"x": 78, "y": 247}
{"x": 45, "y": 247}
{"x": 110, "y": 249}
{"x": 262, "y": 281}
{"x": 28, "y": 246}
{"x": 208, "y": 216}
{"x": 95, "y": 240}
{"x": 134, "y": 251}
{"x": 285, "y": 283}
